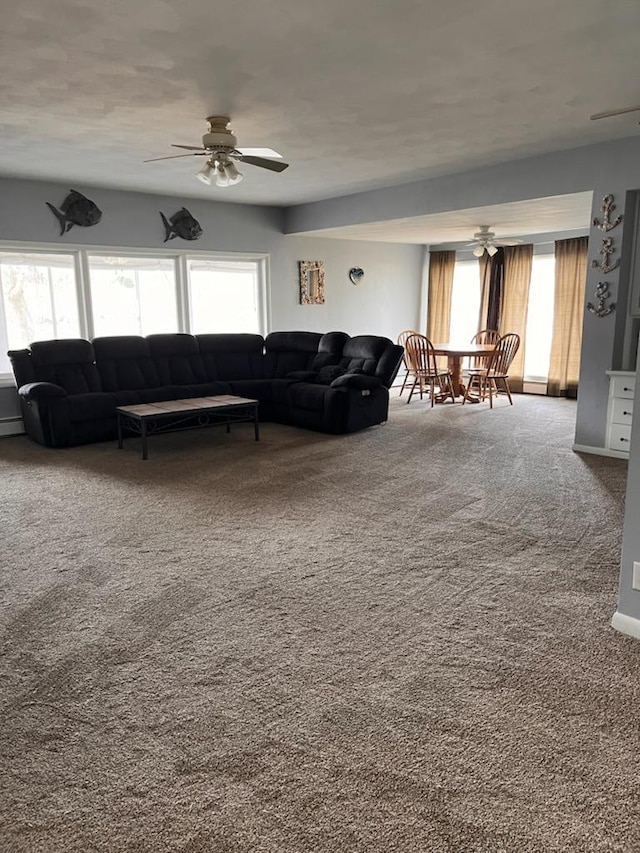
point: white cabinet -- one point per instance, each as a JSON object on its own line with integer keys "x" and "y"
{"x": 622, "y": 385}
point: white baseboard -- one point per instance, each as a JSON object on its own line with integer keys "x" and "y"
{"x": 599, "y": 451}
{"x": 628, "y": 625}
{"x": 11, "y": 426}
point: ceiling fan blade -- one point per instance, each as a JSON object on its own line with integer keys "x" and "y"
{"x": 174, "y": 156}
{"x": 259, "y": 152}
{"x": 272, "y": 165}
{"x": 611, "y": 113}
{"x": 507, "y": 242}
{"x": 188, "y": 147}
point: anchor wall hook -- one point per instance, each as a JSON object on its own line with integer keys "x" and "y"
{"x": 601, "y": 294}
{"x": 606, "y": 251}
{"x": 607, "y": 209}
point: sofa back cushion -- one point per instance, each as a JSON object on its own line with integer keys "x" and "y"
{"x": 69, "y": 363}
{"x": 232, "y": 357}
{"x": 177, "y": 359}
{"x": 125, "y": 364}
{"x": 286, "y": 352}
{"x": 330, "y": 349}
{"x": 373, "y": 355}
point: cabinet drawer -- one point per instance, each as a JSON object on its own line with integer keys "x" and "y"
{"x": 619, "y": 437}
{"x": 622, "y": 411}
{"x": 623, "y": 386}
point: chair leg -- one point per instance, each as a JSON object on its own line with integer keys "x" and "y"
{"x": 451, "y": 391}
{"x": 432, "y": 392}
{"x": 491, "y": 386}
{"x": 508, "y": 390}
{"x": 406, "y": 376}
{"x": 413, "y": 388}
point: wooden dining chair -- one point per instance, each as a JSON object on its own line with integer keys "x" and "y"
{"x": 486, "y": 337}
{"x": 495, "y": 376}
{"x": 402, "y": 341}
{"x": 425, "y": 370}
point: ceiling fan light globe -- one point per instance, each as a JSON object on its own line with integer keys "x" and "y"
{"x": 221, "y": 176}
{"x": 233, "y": 175}
{"x": 204, "y": 174}
{"x": 478, "y": 251}
{"x": 491, "y": 250}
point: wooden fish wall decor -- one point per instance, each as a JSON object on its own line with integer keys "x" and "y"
{"x": 181, "y": 224}
{"x": 76, "y": 209}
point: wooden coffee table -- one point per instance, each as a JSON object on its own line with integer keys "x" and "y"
{"x": 173, "y": 415}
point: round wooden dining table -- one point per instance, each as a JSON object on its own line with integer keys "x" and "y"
{"x": 455, "y": 352}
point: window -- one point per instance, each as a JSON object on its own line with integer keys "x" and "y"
{"x": 465, "y": 302}
{"x": 224, "y": 296}
{"x": 133, "y": 296}
{"x": 46, "y": 294}
{"x": 39, "y": 300}
{"x": 540, "y": 319}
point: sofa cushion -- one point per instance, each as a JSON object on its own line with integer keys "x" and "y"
{"x": 67, "y": 363}
{"x": 177, "y": 359}
{"x": 229, "y": 357}
{"x": 92, "y": 407}
{"x": 289, "y": 351}
{"x": 328, "y": 373}
{"x": 124, "y": 363}
{"x": 363, "y": 352}
{"x": 255, "y": 389}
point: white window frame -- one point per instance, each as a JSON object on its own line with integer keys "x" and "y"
{"x": 82, "y": 254}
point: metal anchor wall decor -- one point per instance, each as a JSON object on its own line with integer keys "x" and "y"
{"x": 606, "y": 251}
{"x": 601, "y": 294}
{"x": 607, "y": 209}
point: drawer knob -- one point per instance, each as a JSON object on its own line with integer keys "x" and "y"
{"x": 627, "y": 413}
{"x": 624, "y": 439}
{"x": 627, "y": 389}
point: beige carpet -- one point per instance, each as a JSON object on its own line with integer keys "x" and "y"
{"x": 392, "y": 641}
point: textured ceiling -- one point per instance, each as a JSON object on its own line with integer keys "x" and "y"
{"x": 535, "y": 217}
{"x": 355, "y": 95}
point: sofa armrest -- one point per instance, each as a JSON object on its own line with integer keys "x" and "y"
{"x": 358, "y": 381}
{"x": 41, "y": 391}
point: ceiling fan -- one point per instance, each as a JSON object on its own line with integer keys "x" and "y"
{"x": 611, "y": 113}
{"x": 219, "y": 147}
{"x": 484, "y": 240}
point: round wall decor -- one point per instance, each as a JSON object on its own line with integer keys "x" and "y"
{"x": 356, "y": 274}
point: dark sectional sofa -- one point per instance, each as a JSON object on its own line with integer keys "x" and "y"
{"x": 69, "y": 389}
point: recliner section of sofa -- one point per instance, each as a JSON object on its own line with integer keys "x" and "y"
{"x": 70, "y": 389}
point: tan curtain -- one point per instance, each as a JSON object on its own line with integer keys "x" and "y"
{"x": 484, "y": 264}
{"x": 571, "y": 274}
{"x": 518, "y": 261}
{"x": 441, "y": 267}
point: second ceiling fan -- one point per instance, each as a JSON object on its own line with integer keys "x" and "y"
{"x": 484, "y": 240}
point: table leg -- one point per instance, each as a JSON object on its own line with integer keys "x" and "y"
{"x": 256, "y": 425}
{"x": 119, "y": 421}
{"x": 143, "y": 435}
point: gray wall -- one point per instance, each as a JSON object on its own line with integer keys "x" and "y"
{"x": 611, "y": 167}
{"x": 384, "y": 303}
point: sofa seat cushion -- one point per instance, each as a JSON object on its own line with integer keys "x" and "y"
{"x": 254, "y": 389}
{"x": 183, "y": 392}
{"x": 93, "y": 406}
